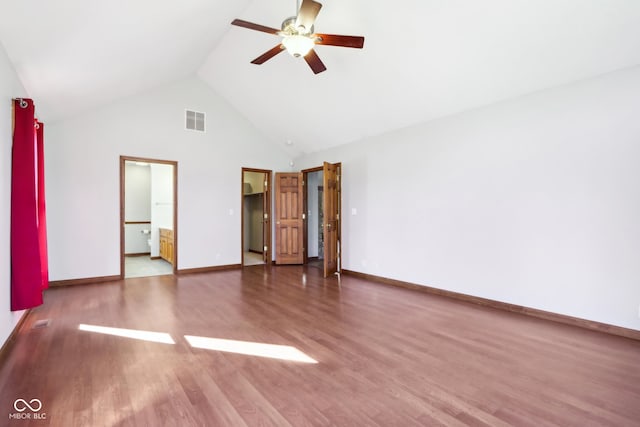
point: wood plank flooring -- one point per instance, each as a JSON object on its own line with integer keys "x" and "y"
{"x": 386, "y": 357}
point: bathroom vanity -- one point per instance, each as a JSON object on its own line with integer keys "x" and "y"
{"x": 167, "y": 245}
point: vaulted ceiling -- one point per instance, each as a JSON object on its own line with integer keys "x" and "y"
{"x": 422, "y": 59}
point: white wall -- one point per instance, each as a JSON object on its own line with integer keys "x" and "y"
{"x": 137, "y": 192}
{"x": 533, "y": 202}
{"x": 137, "y": 207}
{"x": 10, "y": 87}
{"x": 256, "y": 179}
{"x": 314, "y": 180}
{"x": 161, "y": 203}
{"x": 136, "y": 238}
{"x": 82, "y": 157}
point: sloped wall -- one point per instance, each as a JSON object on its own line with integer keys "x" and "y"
{"x": 10, "y": 88}
{"x": 533, "y": 201}
{"x": 82, "y": 157}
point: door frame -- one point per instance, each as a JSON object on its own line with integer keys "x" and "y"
{"x": 173, "y": 163}
{"x": 305, "y": 179}
{"x": 267, "y": 200}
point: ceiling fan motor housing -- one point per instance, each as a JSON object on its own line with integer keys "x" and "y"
{"x": 289, "y": 27}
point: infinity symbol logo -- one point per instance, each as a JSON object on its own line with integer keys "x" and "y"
{"x": 37, "y": 405}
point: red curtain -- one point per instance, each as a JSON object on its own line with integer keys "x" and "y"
{"x": 29, "y": 266}
{"x": 42, "y": 207}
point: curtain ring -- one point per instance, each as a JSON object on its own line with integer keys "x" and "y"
{"x": 23, "y": 103}
{"x": 37, "y": 125}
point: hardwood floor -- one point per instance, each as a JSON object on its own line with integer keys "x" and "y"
{"x": 386, "y": 356}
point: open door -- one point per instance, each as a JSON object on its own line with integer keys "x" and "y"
{"x": 331, "y": 210}
{"x": 289, "y": 220}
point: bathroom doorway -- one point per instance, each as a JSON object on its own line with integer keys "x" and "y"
{"x": 148, "y": 231}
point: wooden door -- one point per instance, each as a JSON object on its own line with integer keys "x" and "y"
{"x": 331, "y": 212}
{"x": 289, "y": 222}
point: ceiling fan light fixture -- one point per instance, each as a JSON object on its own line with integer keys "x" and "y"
{"x": 298, "y": 45}
{"x": 299, "y": 37}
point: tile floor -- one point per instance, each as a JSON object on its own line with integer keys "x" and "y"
{"x": 252, "y": 258}
{"x": 144, "y": 266}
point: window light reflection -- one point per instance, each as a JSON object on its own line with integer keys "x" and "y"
{"x": 273, "y": 351}
{"x": 160, "y": 337}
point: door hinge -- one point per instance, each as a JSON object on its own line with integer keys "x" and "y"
{"x": 265, "y": 184}
{"x": 304, "y": 216}
{"x": 266, "y": 216}
{"x": 265, "y": 248}
{"x": 338, "y": 216}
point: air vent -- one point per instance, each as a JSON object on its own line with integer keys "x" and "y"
{"x": 194, "y": 120}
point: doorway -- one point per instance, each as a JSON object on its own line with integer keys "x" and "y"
{"x": 148, "y": 217}
{"x": 314, "y": 210}
{"x": 256, "y": 213}
{"x": 293, "y": 244}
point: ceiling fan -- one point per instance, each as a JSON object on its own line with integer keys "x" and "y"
{"x": 298, "y": 37}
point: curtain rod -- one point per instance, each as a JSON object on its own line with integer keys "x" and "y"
{"x": 23, "y": 103}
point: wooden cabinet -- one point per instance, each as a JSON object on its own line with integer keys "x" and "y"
{"x": 167, "y": 245}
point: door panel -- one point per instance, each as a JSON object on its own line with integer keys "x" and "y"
{"x": 289, "y": 222}
{"x": 331, "y": 211}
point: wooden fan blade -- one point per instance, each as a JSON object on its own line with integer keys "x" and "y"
{"x": 337, "y": 40}
{"x": 314, "y": 62}
{"x": 307, "y": 15}
{"x": 268, "y": 55}
{"x": 252, "y": 26}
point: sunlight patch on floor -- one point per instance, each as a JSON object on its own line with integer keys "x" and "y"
{"x": 282, "y": 352}
{"x": 160, "y": 337}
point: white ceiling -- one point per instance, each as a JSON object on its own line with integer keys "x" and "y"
{"x": 422, "y": 59}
